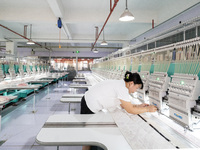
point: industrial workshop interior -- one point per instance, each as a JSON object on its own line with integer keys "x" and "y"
{"x": 55, "y": 54}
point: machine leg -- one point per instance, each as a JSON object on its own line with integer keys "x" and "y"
{"x": 34, "y": 102}
{"x": 48, "y": 97}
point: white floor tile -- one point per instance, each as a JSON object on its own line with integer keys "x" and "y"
{"x": 20, "y": 125}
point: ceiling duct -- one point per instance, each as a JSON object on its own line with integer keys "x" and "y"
{"x": 30, "y": 41}
{"x": 96, "y": 32}
{"x": 25, "y": 30}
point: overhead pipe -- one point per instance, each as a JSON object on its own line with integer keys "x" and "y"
{"x": 35, "y": 47}
{"x": 111, "y": 10}
{"x": 24, "y": 37}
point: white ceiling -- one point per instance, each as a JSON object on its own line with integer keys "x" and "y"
{"x": 79, "y": 18}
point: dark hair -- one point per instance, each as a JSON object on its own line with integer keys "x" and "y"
{"x": 135, "y": 77}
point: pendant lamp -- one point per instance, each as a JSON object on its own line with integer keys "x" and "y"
{"x": 127, "y": 15}
{"x": 104, "y": 42}
{"x": 95, "y": 51}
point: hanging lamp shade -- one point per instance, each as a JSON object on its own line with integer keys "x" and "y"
{"x": 127, "y": 15}
{"x": 104, "y": 42}
{"x": 95, "y": 51}
{"x": 30, "y": 42}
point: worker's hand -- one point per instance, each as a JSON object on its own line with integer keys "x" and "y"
{"x": 143, "y": 105}
{"x": 152, "y": 108}
{"x": 121, "y": 106}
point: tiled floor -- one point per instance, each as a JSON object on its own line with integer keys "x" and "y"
{"x": 20, "y": 125}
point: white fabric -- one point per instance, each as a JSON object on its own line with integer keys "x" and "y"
{"x": 106, "y": 95}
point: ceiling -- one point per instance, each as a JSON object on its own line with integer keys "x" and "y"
{"x": 79, "y": 18}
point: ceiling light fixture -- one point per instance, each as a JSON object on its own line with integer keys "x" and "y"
{"x": 104, "y": 42}
{"x": 127, "y": 15}
{"x": 95, "y": 51}
{"x": 30, "y": 42}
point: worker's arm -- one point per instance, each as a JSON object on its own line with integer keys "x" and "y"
{"x": 137, "y": 109}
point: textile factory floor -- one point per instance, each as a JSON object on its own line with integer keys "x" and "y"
{"x": 20, "y": 125}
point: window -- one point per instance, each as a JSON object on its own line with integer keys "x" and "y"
{"x": 151, "y": 45}
{"x": 142, "y": 48}
{"x": 133, "y": 51}
{"x": 191, "y": 33}
{"x": 170, "y": 40}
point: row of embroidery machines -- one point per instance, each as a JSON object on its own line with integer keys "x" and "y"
{"x": 170, "y": 77}
{"x": 24, "y": 75}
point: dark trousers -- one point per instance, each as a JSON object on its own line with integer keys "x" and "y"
{"x": 84, "y": 107}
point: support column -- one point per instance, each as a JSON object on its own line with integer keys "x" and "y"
{"x": 76, "y": 63}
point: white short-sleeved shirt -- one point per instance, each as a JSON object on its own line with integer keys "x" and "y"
{"x": 106, "y": 95}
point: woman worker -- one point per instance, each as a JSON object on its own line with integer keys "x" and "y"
{"x": 110, "y": 94}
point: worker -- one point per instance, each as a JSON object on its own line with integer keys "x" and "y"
{"x": 110, "y": 94}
